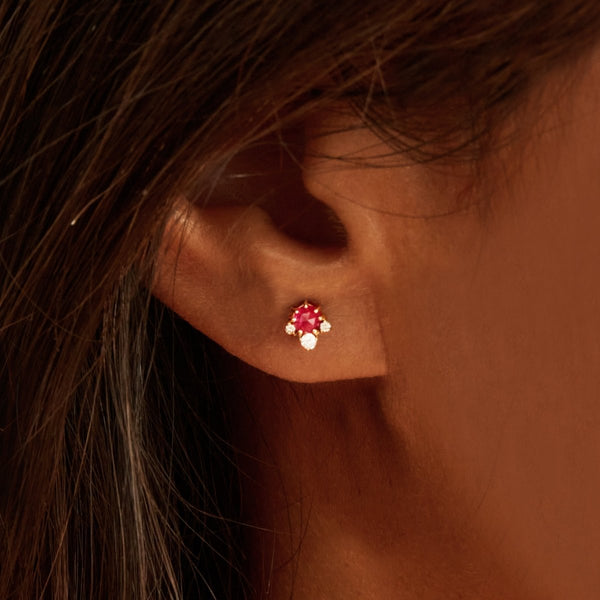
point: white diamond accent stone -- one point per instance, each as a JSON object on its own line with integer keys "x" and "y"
{"x": 325, "y": 326}
{"x": 308, "y": 341}
{"x": 290, "y": 329}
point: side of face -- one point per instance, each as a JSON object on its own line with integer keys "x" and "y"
{"x": 490, "y": 326}
{"x": 483, "y": 329}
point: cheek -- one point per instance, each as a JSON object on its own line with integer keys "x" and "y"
{"x": 493, "y": 332}
{"x": 505, "y": 307}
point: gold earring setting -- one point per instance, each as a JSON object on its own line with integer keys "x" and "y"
{"x": 307, "y": 322}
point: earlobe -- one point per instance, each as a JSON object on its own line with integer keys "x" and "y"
{"x": 232, "y": 274}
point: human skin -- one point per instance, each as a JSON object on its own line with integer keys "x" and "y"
{"x": 469, "y": 467}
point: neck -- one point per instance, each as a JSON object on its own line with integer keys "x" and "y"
{"x": 340, "y": 505}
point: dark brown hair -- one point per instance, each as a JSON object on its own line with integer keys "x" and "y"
{"x": 115, "y": 475}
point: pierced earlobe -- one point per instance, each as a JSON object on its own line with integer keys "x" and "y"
{"x": 307, "y": 323}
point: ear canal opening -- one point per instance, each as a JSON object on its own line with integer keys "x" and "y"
{"x": 307, "y": 220}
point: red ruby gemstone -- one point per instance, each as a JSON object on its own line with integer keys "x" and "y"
{"x": 307, "y": 318}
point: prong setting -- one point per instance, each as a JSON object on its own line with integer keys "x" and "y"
{"x": 307, "y": 322}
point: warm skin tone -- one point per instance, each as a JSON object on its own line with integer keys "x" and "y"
{"x": 468, "y": 467}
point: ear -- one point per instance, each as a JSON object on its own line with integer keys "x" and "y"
{"x": 235, "y": 273}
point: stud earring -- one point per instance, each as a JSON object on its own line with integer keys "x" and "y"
{"x": 306, "y": 322}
